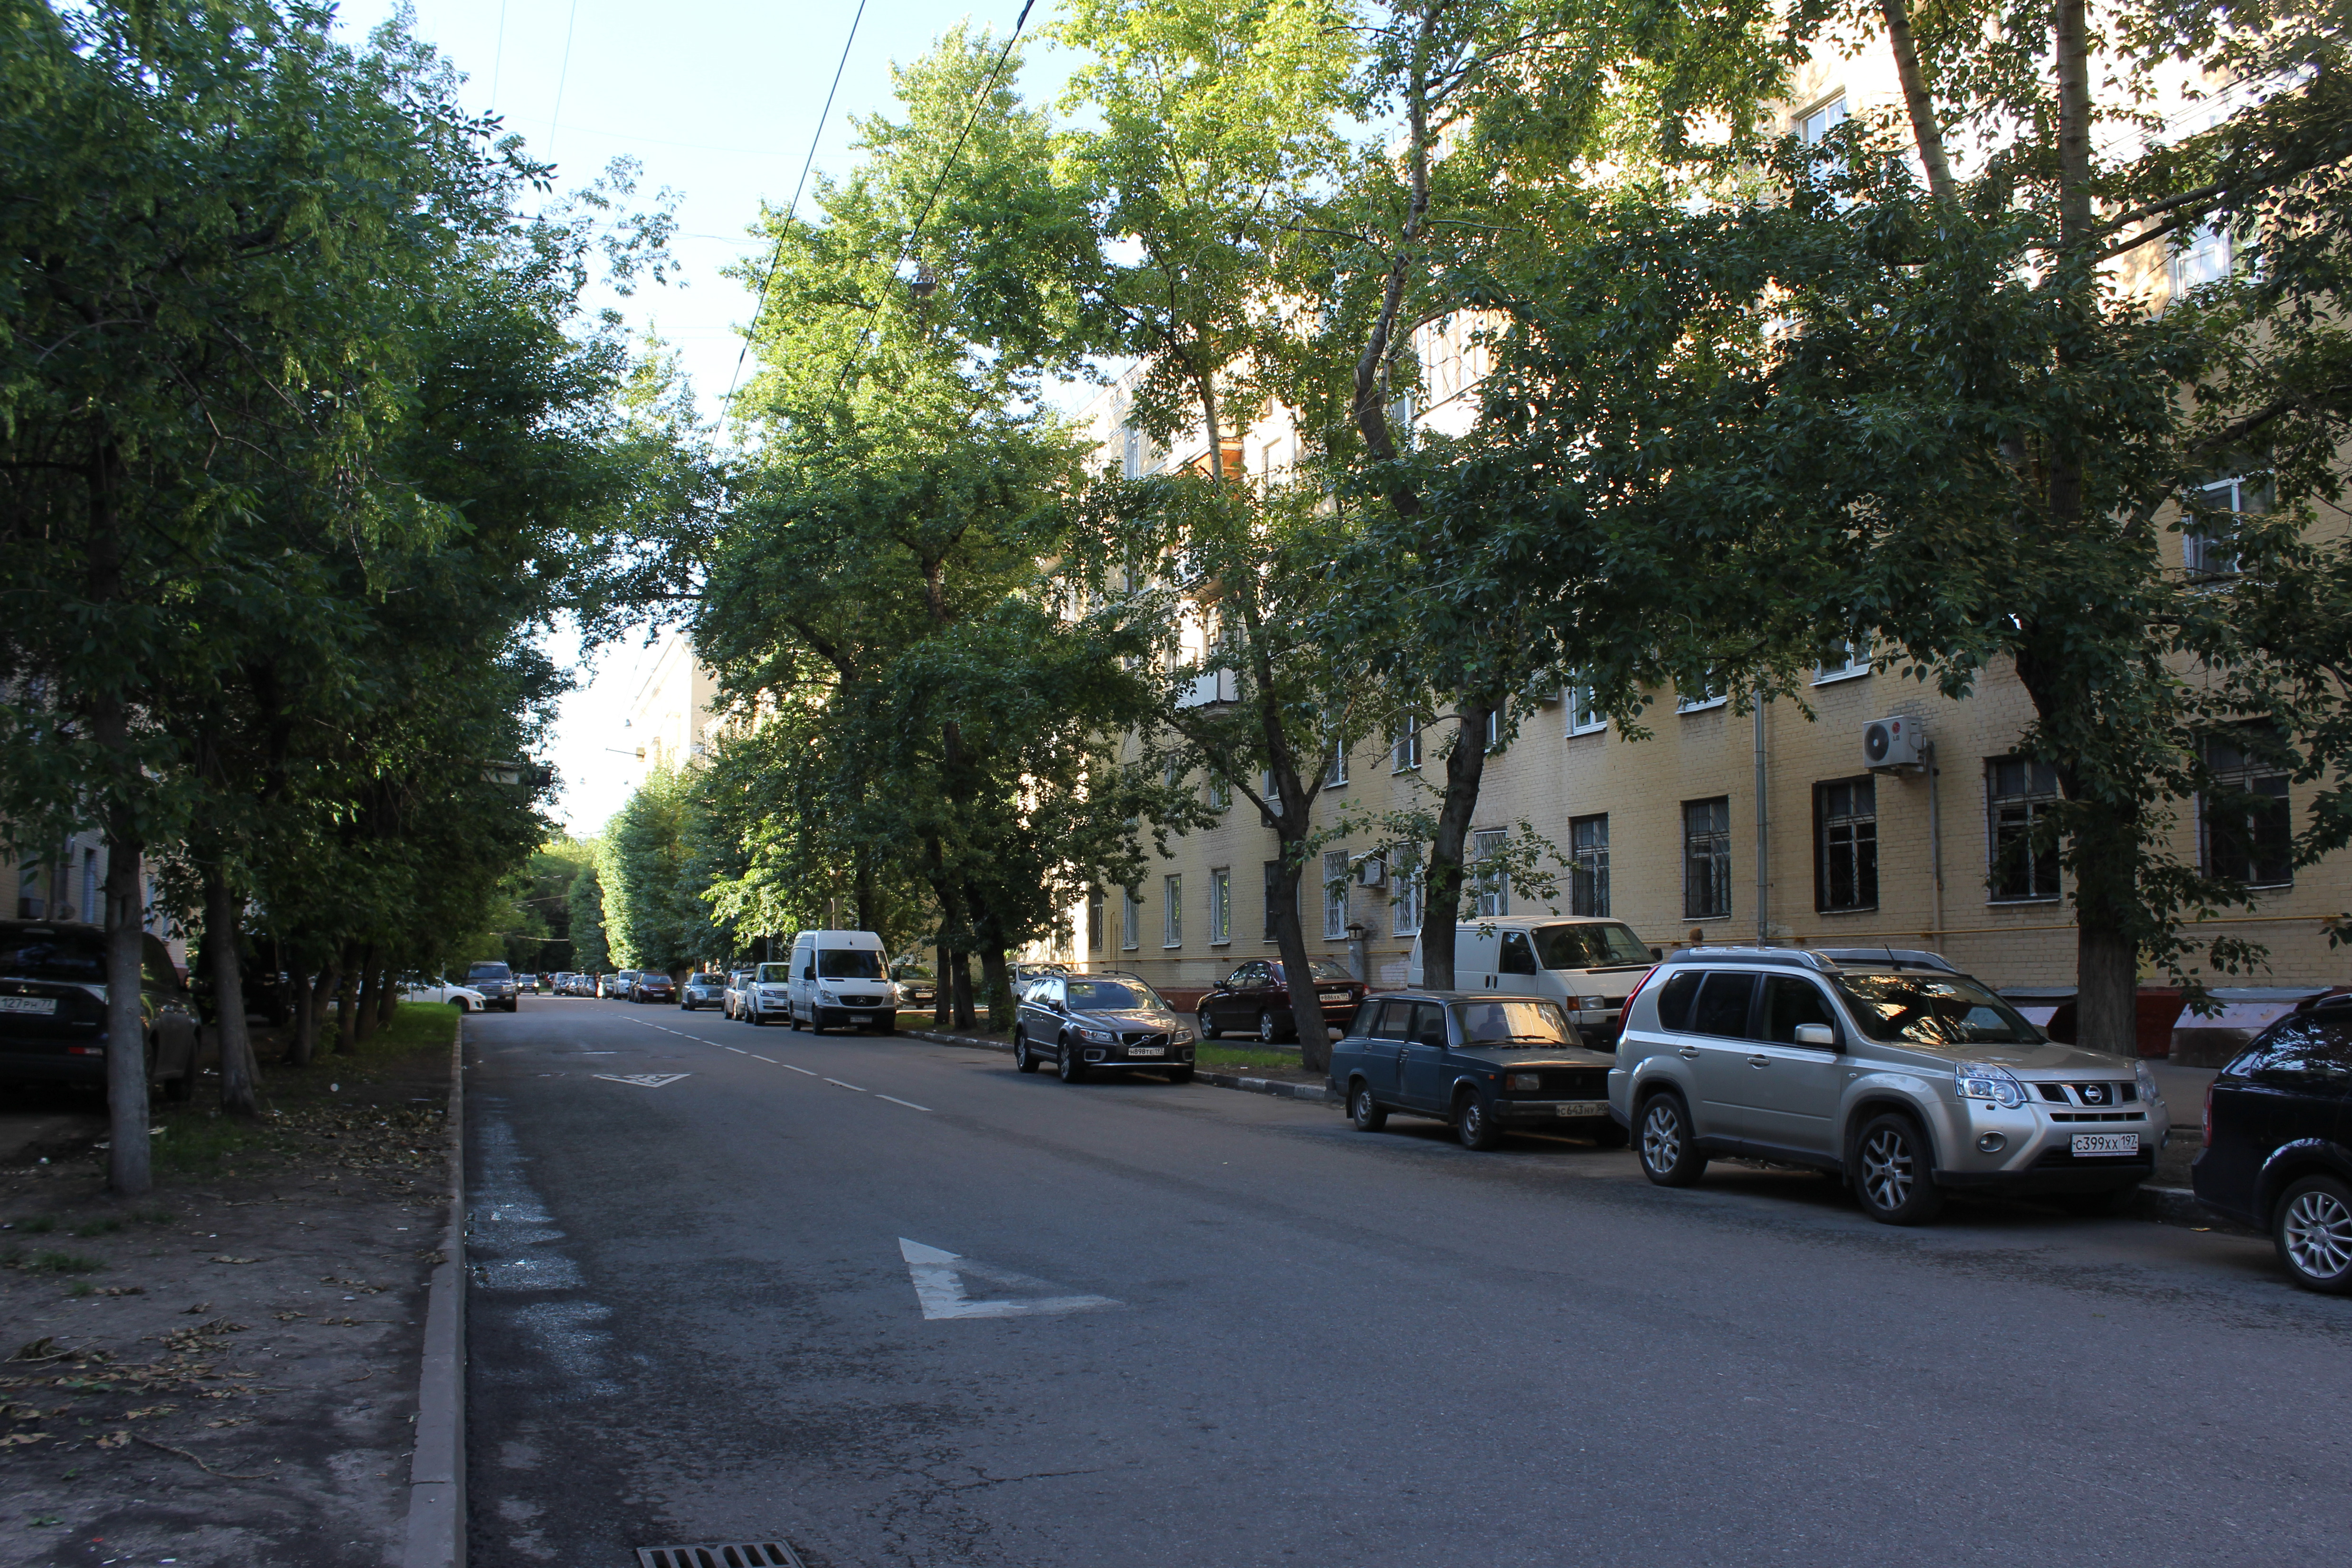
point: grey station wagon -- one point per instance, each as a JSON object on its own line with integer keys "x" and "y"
{"x": 1484, "y": 1063}
{"x": 1889, "y": 1069}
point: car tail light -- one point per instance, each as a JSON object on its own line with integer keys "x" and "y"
{"x": 1625, "y": 1012}
{"x": 2209, "y": 1116}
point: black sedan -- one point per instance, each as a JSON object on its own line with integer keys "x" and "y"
{"x": 53, "y": 1007}
{"x": 1484, "y": 1063}
{"x": 1256, "y": 1000}
{"x": 1085, "y": 1024}
{"x": 2278, "y": 1142}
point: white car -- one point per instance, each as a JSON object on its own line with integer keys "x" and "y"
{"x": 468, "y": 999}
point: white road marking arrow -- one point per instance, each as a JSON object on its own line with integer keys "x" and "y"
{"x": 644, "y": 1080}
{"x": 939, "y": 1288}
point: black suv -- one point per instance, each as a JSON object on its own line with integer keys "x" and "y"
{"x": 2278, "y": 1142}
{"x": 496, "y": 982}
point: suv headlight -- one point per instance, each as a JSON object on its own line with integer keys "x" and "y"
{"x": 1099, "y": 1036}
{"x": 1180, "y": 1036}
{"x": 2150, "y": 1094}
{"x": 1982, "y": 1080}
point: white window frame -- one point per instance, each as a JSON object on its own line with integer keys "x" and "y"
{"x": 1818, "y": 121}
{"x": 1406, "y": 900}
{"x": 1583, "y": 718}
{"x": 1857, "y": 663}
{"x": 1221, "y": 793}
{"x": 1404, "y": 747}
{"x": 1335, "y": 766}
{"x": 1220, "y": 906}
{"x": 1131, "y": 922}
{"x": 2197, "y": 556}
{"x": 1334, "y": 895}
{"x": 1702, "y": 702}
{"x": 1171, "y": 918}
{"x": 1493, "y": 731}
{"x": 1491, "y": 893}
{"x": 2210, "y": 257}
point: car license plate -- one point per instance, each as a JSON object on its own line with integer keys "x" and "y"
{"x": 1147, "y": 1050}
{"x": 45, "y": 1004}
{"x": 861, "y": 1017}
{"x": 1335, "y": 995}
{"x": 1583, "y": 1107}
{"x": 2106, "y": 1143}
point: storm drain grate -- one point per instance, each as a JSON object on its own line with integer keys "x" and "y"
{"x": 726, "y": 1554}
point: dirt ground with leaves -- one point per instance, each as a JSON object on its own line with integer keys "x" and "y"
{"x": 224, "y": 1371}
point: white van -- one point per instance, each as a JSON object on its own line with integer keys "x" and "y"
{"x": 1588, "y": 966}
{"x": 840, "y": 977}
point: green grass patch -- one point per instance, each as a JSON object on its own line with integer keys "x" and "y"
{"x": 39, "y": 1225}
{"x": 98, "y": 1227}
{"x": 1234, "y": 1057}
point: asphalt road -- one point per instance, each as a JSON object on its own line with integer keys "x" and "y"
{"x": 694, "y": 1319}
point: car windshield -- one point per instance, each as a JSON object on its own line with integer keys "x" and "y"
{"x": 490, "y": 972}
{"x": 849, "y": 963}
{"x": 53, "y": 955}
{"x": 775, "y": 973}
{"x": 1527, "y": 1021}
{"x": 913, "y": 971}
{"x": 1113, "y": 996}
{"x": 1589, "y": 946}
{"x": 1933, "y": 1010}
{"x": 1321, "y": 969}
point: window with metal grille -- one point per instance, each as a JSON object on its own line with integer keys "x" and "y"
{"x": 1490, "y": 885}
{"x": 2245, "y": 824}
{"x": 2019, "y": 795}
{"x": 1845, "y": 845}
{"x": 1335, "y": 893}
{"x": 1706, "y": 858}
{"x": 1588, "y": 864}
{"x": 1220, "y": 906}
{"x": 1405, "y": 892}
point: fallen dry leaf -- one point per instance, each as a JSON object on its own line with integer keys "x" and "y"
{"x": 224, "y": 1257}
{"x": 115, "y": 1441}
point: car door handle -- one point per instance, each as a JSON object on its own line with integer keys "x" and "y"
{"x": 1688, "y": 1053}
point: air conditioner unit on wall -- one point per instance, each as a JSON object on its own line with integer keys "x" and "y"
{"x": 1373, "y": 871}
{"x": 1892, "y": 742}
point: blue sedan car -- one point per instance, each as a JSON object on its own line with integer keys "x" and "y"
{"x": 1483, "y": 1063}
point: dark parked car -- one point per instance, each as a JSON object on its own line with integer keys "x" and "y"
{"x": 2278, "y": 1142}
{"x": 53, "y": 1007}
{"x": 1110, "y": 1023}
{"x": 497, "y": 984}
{"x": 1484, "y": 1063}
{"x": 702, "y": 991}
{"x": 917, "y": 987}
{"x": 1254, "y": 1000}
{"x": 651, "y": 985}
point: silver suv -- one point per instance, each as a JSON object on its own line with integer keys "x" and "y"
{"x": 1889, "y": 1069}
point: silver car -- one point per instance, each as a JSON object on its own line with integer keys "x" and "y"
{"x": 1085, "y": 1024}
{"x": 1891, "y": 1069}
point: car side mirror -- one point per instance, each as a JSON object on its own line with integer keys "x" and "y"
{"x": 1820, "y": 1035}
{"x": 1657, "y": 955}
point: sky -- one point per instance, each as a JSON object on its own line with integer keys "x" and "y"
{"x": 720, "y": 100}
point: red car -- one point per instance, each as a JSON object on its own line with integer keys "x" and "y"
{"x": 1254, "y": 1000}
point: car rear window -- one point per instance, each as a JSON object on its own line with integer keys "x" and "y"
{"x": 775, "y": 973}
{"x": 2321, "y": 1047}
{"x": 54, "y": 956}
{"x": 1933, "y": 1010}
{"x": 849, "y": 963}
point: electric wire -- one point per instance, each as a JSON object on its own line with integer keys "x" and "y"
{"x": 562, "y": 75}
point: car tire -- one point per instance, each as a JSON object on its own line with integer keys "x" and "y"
{"x": 1368, "y": 1114}
{"x": 1023, "y": 1060}
{"x": 816, "y": 1021}
{"x": 1268, "y": 1032}
{"x": 1893, "y": 1172}
{"x": 1068, "y": 1068}
{"x": 1208, "y": 1029}
{"x": 1609, "y": 1135}
{"x": 1475, "y": 1124}
{"x": 1180, "y": 1075}
{"x": 1669, "y": 1151}
{"x": 2312, "y": 1227}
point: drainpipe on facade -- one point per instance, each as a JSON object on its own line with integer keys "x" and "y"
{"x": 1935, "y": 844}
{"x": 1763, "y": 841}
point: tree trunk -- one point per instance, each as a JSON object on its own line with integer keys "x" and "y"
{"x": 225, "y": 957}
{"x": 128, "y": 1173}
{"x": 303, "y": 1043}
{"x": 387, "y": 998}
{"x": 942, "y": 997}
{"x": 2106, "y": 996}
{"x": 1466, "y": 768}
{"x": 997, "y": 978}
{"x": 959, "y": 966}
{"x": 1297, "y": 969}
{"x": 347, "y": 1003}
{"x": 1926, "y": 129}
{"x": 371, "y": 982}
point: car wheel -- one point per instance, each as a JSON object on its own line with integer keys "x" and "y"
{"x": 1609, "y": 1135}
{"x": 1475, "y": 1124}
{"x": 2314, "y": 1232}
{"x": 1369, "y": 1114}
{"x": 816, "y": 1021}
{"x": 1669, "y": 1155}
{"x": 1069, "y": 1068}
{"x": 1267, "y": 1034}
{"x": 1894, "y": 1173}
{"x": 1023, "y": 1061}
{"x": 1208, "y": 1029}
{"x": 1180, "y": 1075}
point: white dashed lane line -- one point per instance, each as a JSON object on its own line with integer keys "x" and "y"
{"x": 772, "y": 1061}
{"x": 847, "y": 1085}
{"x": 803, "y": 1071}
{"x": 896, "y": 1100}
{"x": 740, "y": 1053}
{"x": 758, "y": 1058}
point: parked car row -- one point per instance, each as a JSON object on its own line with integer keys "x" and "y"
{"x": 53, "y": 1023}
{"x": 834, "y": 979}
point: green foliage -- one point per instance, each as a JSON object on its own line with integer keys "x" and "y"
{"x": 654, "y": 916}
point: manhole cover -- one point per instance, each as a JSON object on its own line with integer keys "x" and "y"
{"x": 726, "y": 1554}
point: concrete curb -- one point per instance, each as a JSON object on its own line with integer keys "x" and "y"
{"x": 437, "y": 1472}
{"x": 1280, "y": 1089}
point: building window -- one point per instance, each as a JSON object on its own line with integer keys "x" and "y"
{"x": 1172, "y": 774}
{"x": 1221, "y": 907}
{"x": 1855, "y": 661}
{"x": 1583, "y": 718}
{"x": 1706, "y": 694}
{"x": 1588, "y": 864}
{"x": 1267, "y": 791}
{"x": 1845, "y": 845}
{"x": 1221, "y": 794}
{"x": 2208, "y": 258}
{"x": 2019, "y": 795}
{"x": 1335, "y": 766}
{"x": 1095, "y": 920}
{"x": 1404, "y": 745}
{"x": 1706, "y": 858}
{"x": 1490, "y": 885}
{"x": 1172, "y": 917}
{"x": 2245, "y": 824}
{"x": 1273, "y": 896}
{"x": 1335, "y": 894}
{"x": 1131, "y": 922}
{"x": 2208, "y": 555}
{"x": 1493, "y": 731}
{"x": 1407, "y": 880}
{"x": 1815, "y": 124}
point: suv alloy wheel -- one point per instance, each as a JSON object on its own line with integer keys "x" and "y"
{"x": 1068, "y": 1067}
{"x": 1894, "y": 1173}
{"x": 1208, "y": 1029}
{"x": 1268, "y": 1032}
{"x": 1023, "y": 1061}
{"x": 1669, "y": 1157}
{"x": 2313, "y": 1229}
